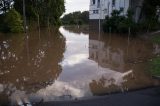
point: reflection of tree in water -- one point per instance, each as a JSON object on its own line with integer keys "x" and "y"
{"x": 77, "y": 29}
{"x": 30, "y": 69}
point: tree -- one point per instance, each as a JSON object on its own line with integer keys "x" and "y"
{"x": 76, "y": 18}
{"x": 12, "y": 22}
{"x": 149, "y": 14}
{"x": 150, "y": 8}
{"x": 85, "y": 17}
{"x": 47, "y": 11}
{"x": 118, "y": 23}
{"x": 5, "y": 5}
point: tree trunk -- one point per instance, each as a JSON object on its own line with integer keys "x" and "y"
{"x": 136, "y": 7}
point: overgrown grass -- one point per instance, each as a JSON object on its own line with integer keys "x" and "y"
{"x": 155, "y": 66}
{"x": 155, "y": 63}
{"x": 156, "y": 39}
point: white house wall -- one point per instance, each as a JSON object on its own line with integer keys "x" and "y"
{"x": 106, "y": 8}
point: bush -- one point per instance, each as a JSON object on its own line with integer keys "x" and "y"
{"x": 12, "y": 22}
{"x": 119, "y": 23}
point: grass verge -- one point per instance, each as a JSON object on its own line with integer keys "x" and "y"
{"x": 155, "y": 66}
{"x": 156, "y": 39}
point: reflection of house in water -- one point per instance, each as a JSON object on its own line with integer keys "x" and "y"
{"x": 104, "y": 56}
{"x": 119, "y": 53}
{"x": 125, "y": 57}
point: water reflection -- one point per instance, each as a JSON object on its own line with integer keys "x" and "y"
{"x": 77, "y": 29}
{"x": 72, "y": 63}
{"x": 28, "y": 63}
{"x": 115, "y": 52}
{"x": 128, "y": 57}
{"x": 106, "y": 63}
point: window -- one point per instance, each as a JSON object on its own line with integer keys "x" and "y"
{"x": 93, "y": 2}
{"x": 113, "y": 3}
{"x": 95, "y": 11}
{"x": 98, "y": 5}
{"x": 121, "y": 9}
{"x": 105, "y": 11}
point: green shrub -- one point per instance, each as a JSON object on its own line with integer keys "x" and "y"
{"x": 123, "y": 27}
{"x": 118, "y": 23}
{"x": 12, "y": 22}
{"x": 121, "y": 24}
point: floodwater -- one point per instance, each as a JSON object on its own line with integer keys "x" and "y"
{"x": 72, "y": 63}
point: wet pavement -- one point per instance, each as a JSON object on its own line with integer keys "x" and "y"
{"x": 145, "y": 97}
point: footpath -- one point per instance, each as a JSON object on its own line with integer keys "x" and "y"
{"x": 145, "y": 97}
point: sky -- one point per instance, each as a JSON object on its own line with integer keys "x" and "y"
{"x": 76, "y": 5}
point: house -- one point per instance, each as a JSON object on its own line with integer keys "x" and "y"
{"x": 99, "y": 9}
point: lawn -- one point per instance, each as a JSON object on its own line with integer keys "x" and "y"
{"x": 155, "y": 66}
{"x": 156, "y": 39}
{"x": 155, "y": 63}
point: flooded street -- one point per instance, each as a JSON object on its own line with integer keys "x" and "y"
{"x": 72, "y": 63}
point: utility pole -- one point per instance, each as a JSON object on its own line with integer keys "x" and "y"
{"x": 108, "y": 9}
{"x": 24, "y": 16}
{"x": 124, "y": 8}
{"x": 99, "y": 14}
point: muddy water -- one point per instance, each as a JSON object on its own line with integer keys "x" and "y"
{"x": 72, "y": 63}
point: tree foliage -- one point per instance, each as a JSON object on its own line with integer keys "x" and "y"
{"x": 11, "y": 22}
{"x": 149, "y": 19}
{"x": 76, "y": 18}
{"x": 48, "y": 11}
{"x": 119, "y": 23}
{"x": 150, "y": 16}
{"x": 150, "y": 8}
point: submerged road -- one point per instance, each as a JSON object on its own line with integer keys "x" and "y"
{"x": 146, "y": 97}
